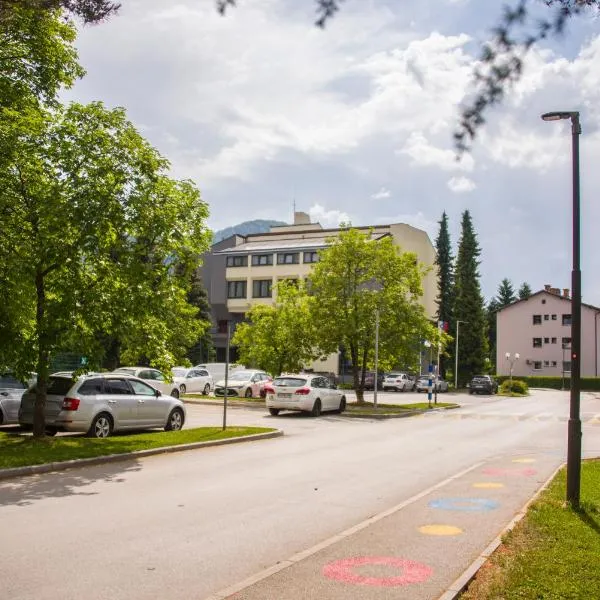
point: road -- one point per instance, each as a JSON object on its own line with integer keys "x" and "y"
{"x": 188, "y": 524}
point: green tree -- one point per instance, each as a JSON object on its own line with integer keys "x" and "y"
{"x": 281, "y": 337}
{"x": 524, "y": 291}
{"x": 491, "y": 310}
{"x": 469, "y": 304}
{"x": 204, "y": 349}
{"x": 355, "y": 276}
{"x": 445, "y": 300}
{"x": 506, "y": 293}
{"x": 89, "y": 11}
{"x": 91, "y": 228}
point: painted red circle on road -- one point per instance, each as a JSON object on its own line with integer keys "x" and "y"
{"x": 412, "y": 572}
{"x": 528, "y": 472}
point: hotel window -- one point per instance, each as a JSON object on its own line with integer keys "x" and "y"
{"x": 566, "y": 319}
{"x": 554, "y": 317}
{"x": 553, "y": 363}
{"x": 537, "y": 342}
{"x": 288, "y": 258}
{"x": 554, "y": 340}
{"x": 261, "y": 288}
{"x": 537, "y": 365}
{"x": 537, "y": 319}
{"x": 262, "y": 260}
{"x": 546, "y": 340}
{"x": 546, "y": 317}
{"x": 311, "y": 257}
{"x": 236, "y": 289}
{"x": 237, "y": 261}
{"x": 566, "y": 341}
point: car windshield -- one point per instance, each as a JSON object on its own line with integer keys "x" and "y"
{"x": 394, "y": 374}
{"x": 480, "y": 377}
{"x": 289, "y": 382}
{"x": 10, "y": 382}
{"x": 241, "y": 376}
{"x": 177, "y": 372}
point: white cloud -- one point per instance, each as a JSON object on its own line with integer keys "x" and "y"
{"x": 461, "y": 185}
{"x": 425, "y": 154}
{"x": 382, "y": 194}
{"x": 328, "y": 218}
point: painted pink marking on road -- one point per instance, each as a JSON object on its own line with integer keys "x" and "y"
{"x": 412, "y": 572}
{"x": 528, "y": 472}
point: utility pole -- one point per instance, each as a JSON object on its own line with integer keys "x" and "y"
{"x": 376, "y": 357}
{"x": 226, "y": 376}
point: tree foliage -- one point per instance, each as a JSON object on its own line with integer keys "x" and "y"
{"x": 357, "y": 275}
{"x": 89, "y": 11}
{"x": 203, "y": 349}
{"x": 524, "y": 291}
{"x": 506, "y": 293}
{"x": 281, "y": 337}
{"x": 469, "y": 304}
{"x": 91, "y": 230}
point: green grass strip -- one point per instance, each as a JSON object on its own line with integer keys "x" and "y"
{"x": 369, "y": 408}
{"x": 553, "y": 553}
{"x": 18, "y": 450}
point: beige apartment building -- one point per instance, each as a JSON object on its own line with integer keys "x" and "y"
{"x": 539, "y": 330}
{"x": 243, "y": 270}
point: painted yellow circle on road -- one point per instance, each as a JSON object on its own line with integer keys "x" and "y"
{"x": 524, "y": 460}
{"x": 440, "y": 530}
{"x": 488, "y": 485}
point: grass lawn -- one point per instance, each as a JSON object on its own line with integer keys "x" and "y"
{"x": 18, "y": 450}
{"x": 553, "y": 553}
{"x": 367, "y": 408}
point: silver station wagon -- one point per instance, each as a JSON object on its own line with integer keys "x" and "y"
{"x": 99, "y": 404}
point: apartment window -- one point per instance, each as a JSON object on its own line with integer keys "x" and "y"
{"x": 566, "y": 319}
{"x": 546, "y": 317}
{"x": 221, "y": 326}
{"x": 261, "y": 288}
{"x": 554, "y": 340}
{"x": 310, "y": 257}
{"x": 554, "y": 317}
{"x": 237, "y": 261}
{"x": 566, "y": 366}
{"x": 566, "y": 341}
{"x": 553, "y": 363}
{"x": 262, "y": 260}
{"x": 543, "y": 300}
{"x": 236, "y": 289}
{"x": 537, "y": 365}
{"x": 546, "y": 340}
{"x": 288, "y": 258}
{"x": 537, "y": 342}
{"x": 546, "y": 363}
{"x": 537, "y": 319}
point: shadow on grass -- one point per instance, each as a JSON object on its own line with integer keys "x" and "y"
{"x": 590, "y": 516}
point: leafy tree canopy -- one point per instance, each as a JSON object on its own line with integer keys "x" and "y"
{"x": 89, "y": 11}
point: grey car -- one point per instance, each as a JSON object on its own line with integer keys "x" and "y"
{"x": 99, "y": 404}
{"x": 11, "y": 390}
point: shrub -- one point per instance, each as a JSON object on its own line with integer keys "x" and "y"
{"x": 555, "y": 383}
{"x": 516, "y": 386}
{"x": 345, "y": 386}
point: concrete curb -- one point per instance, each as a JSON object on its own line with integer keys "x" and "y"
{"x": 110, "y": 458}
{"x": 408, "y": 413}
{"x": 462, "y": 583}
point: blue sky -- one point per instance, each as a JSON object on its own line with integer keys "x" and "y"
{"x": 355, "y": 123}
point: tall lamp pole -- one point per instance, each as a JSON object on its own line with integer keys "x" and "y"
{"x": 574, "y": 435}
{"x": 376, "y": 357}
{"x": 456, "y": 355}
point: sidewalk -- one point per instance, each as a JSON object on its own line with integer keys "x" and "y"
{"x": 416, "y": 550}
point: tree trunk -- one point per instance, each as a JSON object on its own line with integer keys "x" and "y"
{"x": 359, "y": 389}
{"x": 39, "y": 420}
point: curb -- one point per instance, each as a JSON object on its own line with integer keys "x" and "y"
{"x": 407, "y": 413}
{"x": 462, "y": 583}
{"x": 110, "y": 458}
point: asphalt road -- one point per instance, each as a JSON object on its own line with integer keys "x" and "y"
{"x": 186, "y": 525}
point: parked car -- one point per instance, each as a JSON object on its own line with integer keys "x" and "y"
{"x": 304, "y": 392}
{"x": 217, "y": 370}
{"x": 246, "y": 383}
{"x": 152, "y": 377}
{"x": 101, "y": 403}
{"x": 398, "y": 382}
{"x": 483, "y": 384}
{"x": 423, "y": 384}
{"x": 11, "y": 390}
{"x": 370, "y": 377}
{"x": 192, "y": 380}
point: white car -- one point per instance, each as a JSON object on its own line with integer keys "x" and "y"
{"x": 308, "y": 393}
{"x": 423, "y": 384}
{"x": 398, "y": 382}
{"x": 152, "y": 377}
{"x": 247, "y": 383}
{"x": 192, "y": 380}
{"x": 11, "y": 390}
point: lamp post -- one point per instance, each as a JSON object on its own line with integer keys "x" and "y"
{"x": 376, "y": 357}
{"x": 574, "y": 432}
{"x": 512, "y": 361}
{"x": 456, "y": 355}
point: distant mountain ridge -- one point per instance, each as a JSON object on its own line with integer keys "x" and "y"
{"x": 245, "y": 228}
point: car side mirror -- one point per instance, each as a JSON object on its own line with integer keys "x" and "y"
{"x": 157, "y": 393}
{"x": 333, "y": 386}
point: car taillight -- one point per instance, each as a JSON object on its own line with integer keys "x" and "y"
{"x": 269, "y": 389}
{"x": 302, "y": 391}
{"x": 71, "y": 403}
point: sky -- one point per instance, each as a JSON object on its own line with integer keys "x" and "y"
{"x": 354, "y": 123}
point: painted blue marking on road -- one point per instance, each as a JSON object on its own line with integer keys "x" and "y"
{"x": 464, "y": 504}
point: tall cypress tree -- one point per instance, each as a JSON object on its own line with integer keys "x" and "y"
{"x": 524, "y": 291}
{"x": 445, "y": 298}
{"x": 469, "y": 306}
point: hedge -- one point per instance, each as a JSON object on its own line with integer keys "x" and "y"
{"x": 591, "y": 384}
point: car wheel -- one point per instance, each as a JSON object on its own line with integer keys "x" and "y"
{"x": 471, "y": 392}
{"x": 248, "y": 393}
{"x": 206, "y": 390}
{"x": 175, "y": 393}
{"x": 263, "y": 394}
{"x": 102, "y": 426}
{"x": 50, "y": 431}
{"x": 175, "y": 420}
{"x": 274, "y": 411}
{"x": 342, "y": 407}
{"x": 316, "y": 409}
{"x": 182, "y": 389}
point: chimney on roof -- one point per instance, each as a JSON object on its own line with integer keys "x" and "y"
{"x": 566, "y": 293}
{"x": 301, "y": 218}
{"x": 548, "y": 287}
{"x": 555, "y": 291}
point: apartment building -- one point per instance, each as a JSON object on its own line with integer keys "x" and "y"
{"x": 539, "y": 330}
{"x": 243, "y": 270}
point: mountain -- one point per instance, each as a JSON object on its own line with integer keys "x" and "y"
{"x": 245, "y": 228}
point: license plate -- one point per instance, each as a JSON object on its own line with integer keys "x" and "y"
{"x": 284, "y": 395}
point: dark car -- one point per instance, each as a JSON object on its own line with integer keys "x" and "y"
{"x": 370, "y": 377}
{"x": 483, "y": 384}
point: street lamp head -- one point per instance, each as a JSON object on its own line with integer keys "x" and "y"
{"x": 517, "y": 356}
{"x": 507, "y": 355}
{"x": 558, "y": 115}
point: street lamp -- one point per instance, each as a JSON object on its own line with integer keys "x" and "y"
{"x": 456, "y": 355}
{"x": 574, "y": 435}
{"x": 512, "y": 361}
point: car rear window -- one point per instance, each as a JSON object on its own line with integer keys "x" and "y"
{"x": 91, "y": 387}
{"x": 289, "y": 382}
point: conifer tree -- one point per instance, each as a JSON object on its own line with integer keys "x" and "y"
{"x": 469, "y": 305}
{"x": 524, "y": 291}
{"x": 445, "y": 298}
{"x": 506, "y": 293}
